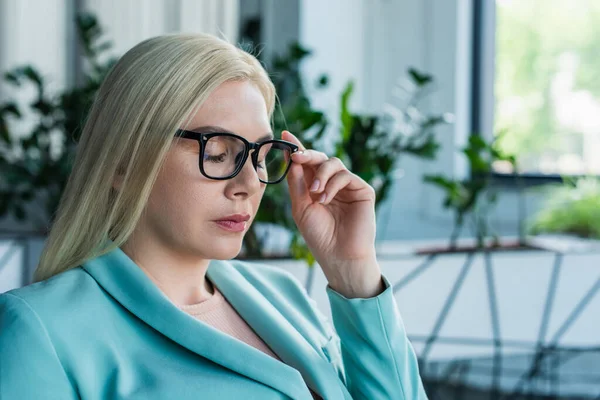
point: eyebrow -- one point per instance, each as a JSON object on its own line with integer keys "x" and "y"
{"x": 218, "y": 129}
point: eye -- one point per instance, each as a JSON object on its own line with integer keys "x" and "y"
{"x": 219, "y": 158}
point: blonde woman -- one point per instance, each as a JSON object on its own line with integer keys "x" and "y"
{"x": 138, "y": 296}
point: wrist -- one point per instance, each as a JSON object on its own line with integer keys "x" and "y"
{"x": 356, "y": 279}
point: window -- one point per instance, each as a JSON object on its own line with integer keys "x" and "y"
{"x": 544, "y": 91}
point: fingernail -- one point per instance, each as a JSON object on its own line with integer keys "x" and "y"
{"x": 315, "y": 185}
{"x": 299, "y": 152}
{"x": 323, "y": 198}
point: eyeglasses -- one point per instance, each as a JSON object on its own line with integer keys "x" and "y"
{"x": 223, "y": 155}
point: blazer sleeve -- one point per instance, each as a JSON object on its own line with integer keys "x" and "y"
{"x": 29, "y": 365}
{"x": 379, "y": 361}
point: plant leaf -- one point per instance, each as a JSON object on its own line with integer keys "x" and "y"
{"x": 10, "y": 109}
{"x": 420, "y": 79}
{"x": 19, "y": 212}
{"x": 346, "y": 116}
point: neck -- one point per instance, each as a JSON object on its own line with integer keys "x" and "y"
{"x": 181, "y": 278}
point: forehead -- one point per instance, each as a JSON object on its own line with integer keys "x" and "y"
{"x": 237, "y": 107}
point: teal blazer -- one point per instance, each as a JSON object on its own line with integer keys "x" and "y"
{"x": 105, "y": 331}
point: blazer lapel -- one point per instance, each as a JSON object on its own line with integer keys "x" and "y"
{"x": 275, "y": 330}
{"x": 130, "y": 286}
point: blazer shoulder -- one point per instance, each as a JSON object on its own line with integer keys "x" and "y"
{"x": 28, "y": 352}
{"x": 55, "y": 291}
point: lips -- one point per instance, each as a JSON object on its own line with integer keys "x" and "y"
{"x": 233, "y": 223}
{"x": 235, "y": 218}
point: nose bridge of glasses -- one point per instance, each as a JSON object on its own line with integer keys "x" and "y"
{"x": 252, "y": 158}
{"x": 253, "y": 152}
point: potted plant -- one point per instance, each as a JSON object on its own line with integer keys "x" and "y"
{"x": 295, "y": 113}
{"x": 484, "y": 295}
{"x": 370, "y": 146}
{"x": 35, "y": 166}
{"x": 570, "y": 218}
{"x": 472, "y": 199}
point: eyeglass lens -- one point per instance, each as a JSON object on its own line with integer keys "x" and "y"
{"x": 224, "y": 154}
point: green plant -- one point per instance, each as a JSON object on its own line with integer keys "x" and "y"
{"x": 295, "y": 113}
{"x": 573, "y": 208}
{"x": 475, "y": 195}
{"x": 371, "y": 145}
{"x": 36, "y": 166}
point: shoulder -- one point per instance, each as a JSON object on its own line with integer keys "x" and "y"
{"x": 27, "y": 348}
{"x": 48, "y": 301}
{"x": 62, "y": 287}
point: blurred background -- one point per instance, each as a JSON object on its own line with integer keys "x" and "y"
{"x": 477, "y": 122}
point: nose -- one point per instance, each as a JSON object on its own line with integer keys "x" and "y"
{"x": 246, "y": 183}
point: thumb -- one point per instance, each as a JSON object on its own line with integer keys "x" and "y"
{"x": 287, "y": 135}
{"x": 298, "y": 190}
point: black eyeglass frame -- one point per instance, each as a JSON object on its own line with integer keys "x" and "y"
{"x": 202, "y": 138}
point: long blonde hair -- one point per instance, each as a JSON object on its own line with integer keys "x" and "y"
{"x": 149, "y": 93}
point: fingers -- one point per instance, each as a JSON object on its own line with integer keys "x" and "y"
{"x": 354, "y": 188}
{"x": 297, "y": 183}
{"x": 338, "y": 182}
{"x": 324, "y": 172}
{"x": 300, "y": 196}
{"x": 287, "y": 135}
{"x": 324, "y": 175}
{"x": 310, "y": 157}
{"x": 307, "y": 157}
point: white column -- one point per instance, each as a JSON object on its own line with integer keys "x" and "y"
{"x": 129, "y": 22}
{"x": 334, "y": 32}
{"x": 218, "y": 17}
{"x": 34, "y": 32}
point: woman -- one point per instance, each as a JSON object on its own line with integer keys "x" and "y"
{"x": 137, "y": 299}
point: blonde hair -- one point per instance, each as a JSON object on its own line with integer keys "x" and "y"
{"x": 145, "y": 98}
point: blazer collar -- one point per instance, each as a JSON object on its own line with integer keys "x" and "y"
{"x": 130, "y": 286}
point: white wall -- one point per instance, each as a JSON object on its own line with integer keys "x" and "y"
{"x": 129, "y": 22}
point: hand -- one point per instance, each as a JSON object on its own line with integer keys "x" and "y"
{"x": 334, "y": 210}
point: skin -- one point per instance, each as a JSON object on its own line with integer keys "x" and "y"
{"x": 176, "y": 237}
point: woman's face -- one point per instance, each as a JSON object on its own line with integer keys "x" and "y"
{"x": 184, "y": 205}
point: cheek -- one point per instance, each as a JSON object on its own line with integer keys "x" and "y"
{"x": 179, "y": 193}
{"x": 257, "y": 199}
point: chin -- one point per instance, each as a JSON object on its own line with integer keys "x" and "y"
{"x": 225, "y": 251}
